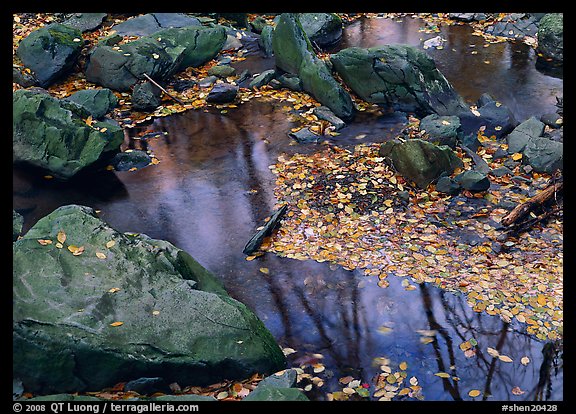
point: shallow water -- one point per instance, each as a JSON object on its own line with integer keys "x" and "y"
{"x": 213, "y": 187}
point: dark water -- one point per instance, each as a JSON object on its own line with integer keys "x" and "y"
{"x": 213, "y": 187}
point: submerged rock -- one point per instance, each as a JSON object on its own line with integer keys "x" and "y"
{"x": 125, "y": 307}
{"x": 53, "y": 134}
{"x": 400, "y": 77}
{"x": 50, "y": 52}
{"x": 420, "y": 161}
{"x": 222, "y": 93}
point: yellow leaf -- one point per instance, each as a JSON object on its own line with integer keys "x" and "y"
{"x": 100, "y": 255}
{"x": 117, "y": 324}
{"x": 59, "y": 245}
{"x": 442, "y": 375}
{"x": 113, "y": 290}
{"x": 44, "y": 242}
{"x": 404, "y": 391}
{"x": 250, "y": 258}
{"x": 517, "y": 156}
{"x": 61, "y": 237}
{"x": 474, "y": 393}
{"x": 265, "y": 270}
{"x": 155, "y": 312}
{"x": 110, "y": 244}
{"x": 504, "y": 358}
{"x": 403, "y": 366}
{"x": 444, "y": 122}
{"x": 89, "y": 121}
{"x": 75, "y": 250}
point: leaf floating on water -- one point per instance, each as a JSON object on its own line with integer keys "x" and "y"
{"x": 525, "y": 360}
{"x": 288, "y": 351}
{"x": 517, "y": 391}
{"x": 346, "y": 380}
{"x": 504, "y": 358}
{"x": 403, "y": 365}
{"x": 265, "y": 270}
{"x": 474, "y": 393}
{"x": 442, "y": 375}
{"x": 493, "y": 352}
{"x": 117, "y": 323}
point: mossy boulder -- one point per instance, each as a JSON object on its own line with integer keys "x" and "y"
{"x": 53, "y": 134}
{"x": 125, "y": 307}
{"x": 51, "y": 52}
{"x": 551, "y": 37}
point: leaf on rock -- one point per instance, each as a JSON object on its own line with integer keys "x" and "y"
{"x": 117, "y": 324}
{"x": 61, "y": 236}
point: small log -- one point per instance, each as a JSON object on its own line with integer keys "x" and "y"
{"x": 522, "y": 209}
{"x": 163, "y": 90}
{"x": 258, "y": 238}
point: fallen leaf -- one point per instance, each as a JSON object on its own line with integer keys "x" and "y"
{"x": 100, "y": 255}
{"x": 61, "y": 236}
{"x": 44, "y": 242}
{"x": 525, "y": 360}
{"x": 504, "y": 358}
{"x": 75, "y": 250}
{"x": 474, "y": 393}
{"x": 517, "y": 156}
{"x": 493, "y": 352}
{"x": 110, "y": 244}
{"x": 517, "y": 391}
{"x": 265, "y": 270}
{"x": 442, "y": 375}
{"x": 113, "y": 290}
{"x": 117, "y": 324}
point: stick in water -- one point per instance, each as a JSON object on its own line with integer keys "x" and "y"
{"x": 163, "y": 90}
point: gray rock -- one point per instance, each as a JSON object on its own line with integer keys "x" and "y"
{"x": 23, "y": 78}
{"x": 222, "y": 93}
{"x": 419, "y": 160}
{"x": 50, "y": 52}
{"x": 143, "y": 25}
{"x": 207, "y": 81}
{"x": 527, "y": 130}
{"x": 17, "y": 222}
{"x": 324, "y": 113}
{"x": 167, "y": 20}
{"x": 304, "y": 136}
{"x": 52, "y": 134}
{"x": 441, "y": 130}
{"x": 222, "y": 71}
{"x": 448, "y": 186}
{"x": 497, "y": 119}
{"x": 290, "y": 81}
{"x": 62, "y": 333}
{"x": 553, "y": 120}
{"x": 544, "y": 155}
{"x": 515, "y": 26}
{"x": 282, "y": 379}
{"x": 276, "y": 394}
{"x": 551, "y": 37}
{"x": 96, "y": 101}
{"x": 85, "y": 22}
{"x": 262, "y": 78}
{"x": 258, "y": 24}
{"x": 325, "y": 29}
{"x": 501, "y": 171}
{"x": 473, "y": 181}
{"x": 126, "y": 160}
{"x": 265, "y": 41}
{"x": 294, "y": 54}
{"x": 146, "y": 96}
{"x": 398, "y": 76}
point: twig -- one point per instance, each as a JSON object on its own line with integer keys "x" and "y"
{"x": 163, "y": 90}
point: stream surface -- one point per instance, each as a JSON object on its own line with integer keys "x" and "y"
{"x": 213, "y": 188}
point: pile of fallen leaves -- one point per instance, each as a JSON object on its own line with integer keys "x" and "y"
{"x": 344, "y": 207}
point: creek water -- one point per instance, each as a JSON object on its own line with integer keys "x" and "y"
{"x": 213, "y": 188}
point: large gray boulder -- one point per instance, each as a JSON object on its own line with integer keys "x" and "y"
{"x": 85, "y": 22}
{"x": 109, "y": 307}
{"x": 551, "y": 37}
{"x": 544, "y": 155}
{"x": 96, "y": 101}
{"x": 50, "y": 52}
{"x": 420, "y": 161}
{"x": 53, "y": 134}
{"x": 159, "y": 56}
{"x": 398, "y": 76}
{"x": 527, "y": 130}
{"x": 294, "y": 54}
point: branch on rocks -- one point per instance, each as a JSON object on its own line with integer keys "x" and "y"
{"x": 163, "y": 90}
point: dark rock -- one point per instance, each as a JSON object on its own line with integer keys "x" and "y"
{"x": 304, "y": 136}
{"x": 85, "y": 22}
{"x": 245, "y": 75}
{"x": 497, "y": 119}
{"x": 143, "y": 25}
{"x": 555, "y": 135}
{"x": 207, "y": 81}
{"x": 64, "y": 398}
{"x": 17, "y": 222}
{"x": 50, "y": 52}
{"x": 527, "y": 130}
{"x": 501, "y": 171}
{"x": 468, "y": 17}
{"x": 199, "y": 335}
{"x": 484, "y": 99}
{"x": 126, "y": 160}
{"x": 146, "y": 96}
{"x": 544, "y": 155}
{"x": 276, "y": 394}
{"x": 553, "y": 120}
{"x": 167, "y": 20}
{"x": 262, "y": 79}
{"x": 110, "y": 40}
{"x": 398, "y": 76}
{"x": 447, "y": 185}
{"x": 265, "y": 41}
{"x": 551, "y": 37}
{"x": 17, "y": 389}
{"x": 324, "y": 113}
{"x": 282, "y": 379}
{"x": 96, "y": 101}
{"x": 23, "y": 78}
{"x": 515, "y": 26}
{"x": 324, "y": 29}
{"x": 222, "y": 93}
{"x": 420, "y": 161}
{"x": 404, "y": 196}
{"x": 520, "y": 179}
{"x": 52, "y": 134}
{"x": 441, "y": 130}
{"x": 479, "y": 164}
{"x": 222, "y": 71}
{"x": 294, "y": 54}
{"x": 146, "y": 385}
{"x": 180, "y": 85}
{"x": 256, "y": 241}
{"x": 258, "y": 24}
{"x": 499, "y": 153}
{"x": 290, "y": 81}
{"x": 184, "y": 397}
{"x": 237, "y": 19}
{"x": 472, "y": 181}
